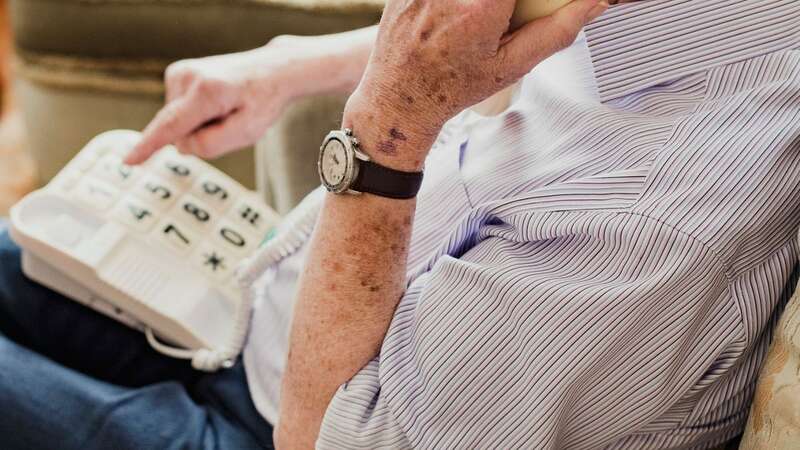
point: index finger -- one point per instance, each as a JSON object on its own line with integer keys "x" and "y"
{"x": 176, "y": 120}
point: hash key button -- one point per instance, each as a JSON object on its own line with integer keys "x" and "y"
{"x": 254, "y": 220}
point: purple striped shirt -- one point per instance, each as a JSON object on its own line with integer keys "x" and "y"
{"x": 599, "y": 267}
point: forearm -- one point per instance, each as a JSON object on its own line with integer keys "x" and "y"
{"x": 431, "y": 60}
{"x": 329, "y": 64}
{"x": 349, "y": 289}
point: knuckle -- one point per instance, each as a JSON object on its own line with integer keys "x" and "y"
{"x": 178, "y": 71}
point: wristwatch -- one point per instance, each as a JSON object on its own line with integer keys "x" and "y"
{"x": 345, "y": 169}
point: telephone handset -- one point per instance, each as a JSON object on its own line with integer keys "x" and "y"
{"x": 530, "y": 10}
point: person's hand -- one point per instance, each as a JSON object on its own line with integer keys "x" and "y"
{"x": 435, "y": 58}
{"x": 218, "y": 104}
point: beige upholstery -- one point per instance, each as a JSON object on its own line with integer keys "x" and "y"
{"x": 775, "y": 417}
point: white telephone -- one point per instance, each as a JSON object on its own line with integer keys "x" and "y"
{"x": 155, "y": 247}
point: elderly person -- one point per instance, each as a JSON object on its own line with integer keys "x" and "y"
{"x": 598, "y": 267}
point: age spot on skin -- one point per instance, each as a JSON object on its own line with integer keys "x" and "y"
{"x": 441, "y": 98}
{"x": 425, "y": 35}
{"x": 390, "y": 146}
{"x": 397, "y": 135}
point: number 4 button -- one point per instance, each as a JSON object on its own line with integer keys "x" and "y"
{"x": 135, "y": 215}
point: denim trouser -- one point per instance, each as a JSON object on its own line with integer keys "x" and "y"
{"x": 73, "y": 379}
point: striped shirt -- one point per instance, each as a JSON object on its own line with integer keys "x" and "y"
{"x": 599, "y": 267}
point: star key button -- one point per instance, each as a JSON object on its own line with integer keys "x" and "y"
{"x": 215, "y": 262}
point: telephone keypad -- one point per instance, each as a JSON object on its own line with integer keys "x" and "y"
{"x": 179, "y": 202}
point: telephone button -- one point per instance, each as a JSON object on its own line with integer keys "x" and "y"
{"x": 194, "y": 213}
{"x": 213, "y": 261}
{"x": 156, "y": 192}
{"x": 66, "y": 180}
{"x": 231, "y": 238}
{"x": 135, "y": 214}
{"x": 177, "y": 169}
{"x": 175, "y": 236}
{"x": 112, "y": 169}
{"x": 214, "y": 192}
{"x": 255, "y": 221}
{"x": 96, "y": 195}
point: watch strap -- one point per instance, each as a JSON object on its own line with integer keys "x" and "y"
{"x": 375, "y": 179}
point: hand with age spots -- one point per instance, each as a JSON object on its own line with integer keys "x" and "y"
{"x": 432, "y": 59}
{"x": 435, "y": 58}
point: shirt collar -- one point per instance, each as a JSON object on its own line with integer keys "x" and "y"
{"x": 639, "y": 45}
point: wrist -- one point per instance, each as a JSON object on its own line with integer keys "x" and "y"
{"x": 318, "y": 65}
{"x": 390, "y": 136}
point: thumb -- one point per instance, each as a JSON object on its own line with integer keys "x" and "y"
{"x": 540, "y": 39}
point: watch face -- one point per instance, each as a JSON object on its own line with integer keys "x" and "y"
{"x": 333, "y": 163}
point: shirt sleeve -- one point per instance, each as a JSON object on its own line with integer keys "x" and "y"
{"x": 556, "y": 331}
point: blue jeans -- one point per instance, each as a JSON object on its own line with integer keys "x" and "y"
{"x": 73, "y": 379}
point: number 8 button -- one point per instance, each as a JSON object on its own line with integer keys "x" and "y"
{"x": 193, "y": 212}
